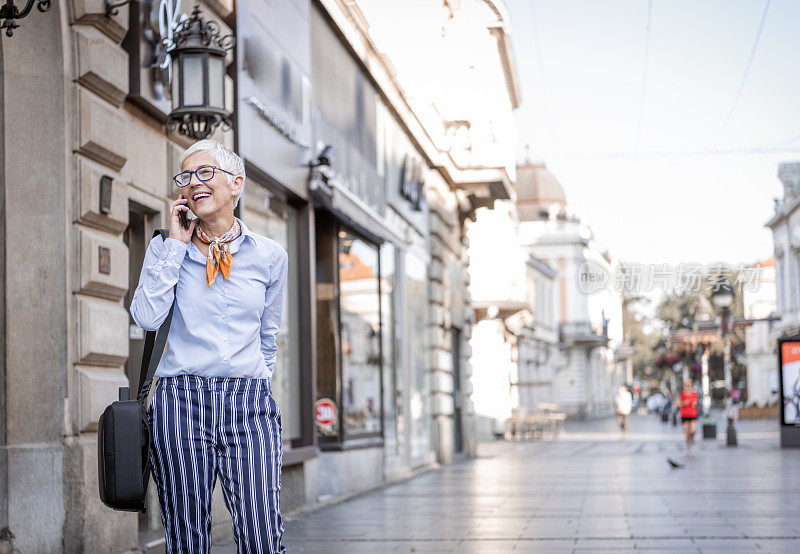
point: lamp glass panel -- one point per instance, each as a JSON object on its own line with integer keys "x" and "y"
{"x": 723, "y": 299}
{"x": 176, "y": 80}
{"x": 192, "y": 78}
{"x": 216, "y": 81}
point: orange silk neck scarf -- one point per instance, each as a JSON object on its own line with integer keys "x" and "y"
{"x": 219, "y": 259}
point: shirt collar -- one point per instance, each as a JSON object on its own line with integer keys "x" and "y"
{"x": 246, "y": 233}
{"x": 195, "y": 254}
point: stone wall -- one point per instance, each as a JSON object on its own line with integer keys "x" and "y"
{"x": 33, "y": 194}
{"x": 108, "y": 137}
{"x": 98, "y": 278}
{"x": 449, "y": 303}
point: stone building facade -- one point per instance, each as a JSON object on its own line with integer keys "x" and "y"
{"x": 86, "y": 164}
{"x": 762, "y": 371}
{"x": 785, "y": 227}
{"x": 80, "y": 157}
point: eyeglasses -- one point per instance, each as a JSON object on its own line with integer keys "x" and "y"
{"x": 204, "y": 173}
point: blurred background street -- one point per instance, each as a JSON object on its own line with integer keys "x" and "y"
{"x": 589, "y": 490}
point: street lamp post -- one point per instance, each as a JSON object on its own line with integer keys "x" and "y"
{"x": 722, "y": 296}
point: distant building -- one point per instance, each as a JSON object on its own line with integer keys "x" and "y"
{"x": 537, "y": 343}
{"x": 784, "y": 225}
{"x": 762, "y": 369}
{"x": 514, "y": 340}
{"x": 589, "y": 325}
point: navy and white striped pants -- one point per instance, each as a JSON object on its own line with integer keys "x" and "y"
{"x": 209, "y": 427}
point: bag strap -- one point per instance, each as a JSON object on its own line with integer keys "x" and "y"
{"x": 154, "y": 344}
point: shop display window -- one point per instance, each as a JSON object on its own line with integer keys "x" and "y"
{"x": 416, "y": 351}
{"x": 392, "y": 387}
{"x": 360, "y": 335}
{"x": 267, "y": 215}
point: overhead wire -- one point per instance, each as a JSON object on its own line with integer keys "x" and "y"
{"x": 540, "y": 66}
{"x": 692, "y": 153}
{"x": 745, "y": 75}
{"x": 643, "y": 88}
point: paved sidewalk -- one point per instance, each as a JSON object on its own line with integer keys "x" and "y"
{"x": 588, "y": 491}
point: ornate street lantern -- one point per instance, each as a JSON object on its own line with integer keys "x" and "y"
{"x": 9, "y": 12}
{"x": 723, "y": 293}
{"x": 198, "y": 77}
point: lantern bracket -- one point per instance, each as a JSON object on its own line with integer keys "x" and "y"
{"x": 207, "y": 32}
{"x": 9, "y": 13}
{"x": 113, "y": 8}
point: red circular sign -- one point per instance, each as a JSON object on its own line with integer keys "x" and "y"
{"x": 324, "y": 412}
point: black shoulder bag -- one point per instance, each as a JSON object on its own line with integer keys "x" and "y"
{"x": 123, "y": 432}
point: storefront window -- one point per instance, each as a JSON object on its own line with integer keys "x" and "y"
{"x": 416, "y": 350}
{"x": 360, "y": 325}
{"x": 392, "y": 422}
{"x": 268, "y": 216}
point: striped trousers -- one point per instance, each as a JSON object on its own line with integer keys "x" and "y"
{"x": 204, "y": 428}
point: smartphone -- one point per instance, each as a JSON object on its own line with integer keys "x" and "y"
{"x": 184, "y": 219}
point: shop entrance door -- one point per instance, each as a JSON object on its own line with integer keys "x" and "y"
{"x": 142, "y": 222}
{"x": 135, "y": 241}
{"x": 455, "y": 335}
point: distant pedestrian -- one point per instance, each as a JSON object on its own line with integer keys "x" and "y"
{"x": 688, "y": 405}
{"x": 624, "y": 402}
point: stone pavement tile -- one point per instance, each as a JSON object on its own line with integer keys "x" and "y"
{"x": 666, "y": 545}
{"x": 549, "y": 533}
{"x": 537, "y": 546}
{"x": 617, "y": 545}
{"x": 666, "y": 529}
{"x": 424, "y": 546}
{"x": 768, "y": 527}
{"x": 551, "y": 519}
{"x": 487, "y": 546}
{"x": 552, "y": 533}
{"x": 727, "y": 545}
{"x": 703, "y": 521}
{"x": 601, "y": 550}
{"x": 500, "y": 534}
{"x": 336, "y": 547}
{"x": 621, "y": 534}
{"x": 226, "y": 548}
{"x": 712, "y": 531}
{"x": 780, "y": 546}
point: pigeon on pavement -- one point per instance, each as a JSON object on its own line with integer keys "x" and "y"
{"x": 674, "y": 464}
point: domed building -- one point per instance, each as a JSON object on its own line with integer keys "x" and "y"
{"x": 588, "y": 315}
{"x": 538, "y": 192}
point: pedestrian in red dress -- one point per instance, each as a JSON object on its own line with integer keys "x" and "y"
{"x": 688, "y": 405}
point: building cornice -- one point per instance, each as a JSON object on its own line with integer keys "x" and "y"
{"x": 783, "y": 213}
{"x": 502, "y": 31}
{"x": 543, "y": 267}
{"x": 483, "y": 184}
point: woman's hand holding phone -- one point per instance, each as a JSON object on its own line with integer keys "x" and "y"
{"x": 179, "y": 227}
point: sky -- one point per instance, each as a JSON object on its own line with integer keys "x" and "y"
{"x": 658, "y": 138}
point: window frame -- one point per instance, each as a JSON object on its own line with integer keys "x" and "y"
{"x": 343, "y": 440}
{"x": 304, "y": 447}
{"x": 367, "y": 438}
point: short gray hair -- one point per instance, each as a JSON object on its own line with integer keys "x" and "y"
{"x": 226, "y": 159}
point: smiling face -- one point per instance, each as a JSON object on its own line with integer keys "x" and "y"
{"x": 212, "y": 197}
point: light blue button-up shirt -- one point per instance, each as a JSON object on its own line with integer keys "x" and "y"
{"x": 225, "y": 330}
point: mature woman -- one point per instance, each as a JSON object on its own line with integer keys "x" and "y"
{"x": 211, "y": 413}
